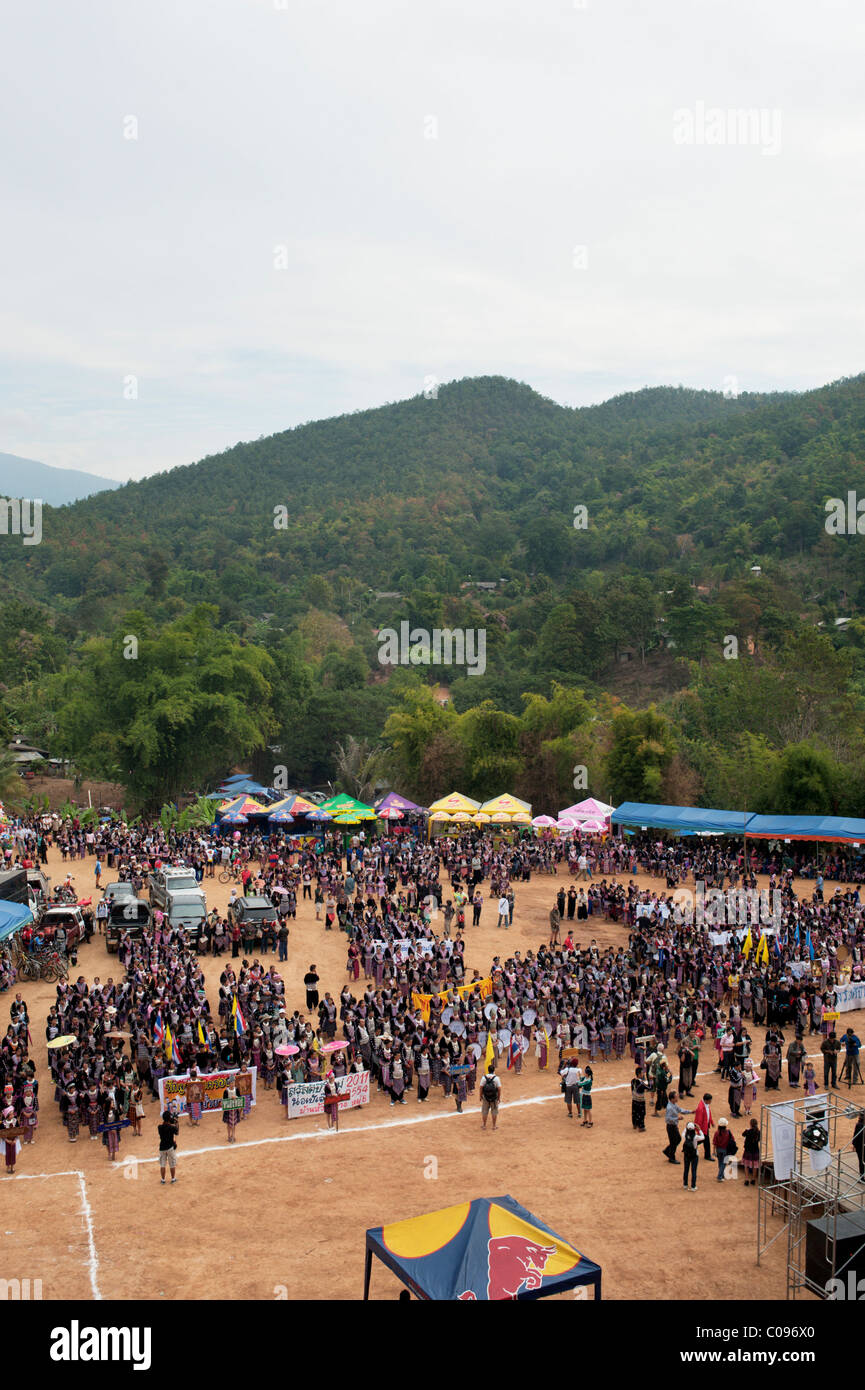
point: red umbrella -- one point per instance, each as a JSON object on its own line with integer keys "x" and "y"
{"x": 391, "y": 813}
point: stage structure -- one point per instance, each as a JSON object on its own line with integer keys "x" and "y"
{"x": 809, "y": 1193}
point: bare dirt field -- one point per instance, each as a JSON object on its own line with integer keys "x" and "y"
{"x": 283, "y": 1212}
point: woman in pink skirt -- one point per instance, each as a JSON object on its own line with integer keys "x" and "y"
{"x": 11, "y": 1147}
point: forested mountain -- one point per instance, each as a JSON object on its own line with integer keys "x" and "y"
{"x": 701, "y": 560}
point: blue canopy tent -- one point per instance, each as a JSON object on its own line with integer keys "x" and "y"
{"x": 13, "y": 916}
{"x": 841, "y": 829}
{"x": 686, "y": 820}
{"x": 488, "y": 1249}
{"x": 681, "y": 818}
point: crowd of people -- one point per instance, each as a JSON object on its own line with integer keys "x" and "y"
{"x": 410, "y": 1012}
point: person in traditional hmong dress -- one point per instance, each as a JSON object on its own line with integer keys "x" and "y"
{"x": 230, "y": 1117}
{"x": 111, "y": 1137}
{"x": 72, "y": 1116}
{"x": 11, "y": 1147}
{"x": 29, "y": 1116}
{"x": 93, "y": 1116}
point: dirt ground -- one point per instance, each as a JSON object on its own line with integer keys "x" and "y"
{"x": 59, "y": 790}
{"x": 254, "y": 1221}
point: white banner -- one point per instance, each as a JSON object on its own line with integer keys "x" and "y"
{"x": 307, "y": 1097}
{"x": 402, "y": 945}
{"x": 721, "y": 938}
{"x": 850, "y": 996}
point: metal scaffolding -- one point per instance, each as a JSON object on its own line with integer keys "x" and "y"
{"x": 808, "y": 1186}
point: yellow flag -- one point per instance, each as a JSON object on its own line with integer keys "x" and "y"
{"x": 489, "y": 1059}
{"x": 747, "y": 945}
{"x": 547, "y": 1036}
{"x": 763, "y": 950}
{"x": 201, "y": 1038}
{"x": 422, "y": 1002}
{"x": 168, "y": 1051}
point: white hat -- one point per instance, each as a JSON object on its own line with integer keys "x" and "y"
{"x": 722, "y": 1124}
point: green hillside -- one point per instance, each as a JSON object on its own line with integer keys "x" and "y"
{"x": 705, "y": 522}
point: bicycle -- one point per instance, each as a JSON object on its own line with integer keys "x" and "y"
{"x": 54, "y": 966}
{"x": 231, "y": 875}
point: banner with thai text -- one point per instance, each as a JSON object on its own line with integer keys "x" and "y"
{"x": 850, "y": 996}
{"x": 172, "y": 1089}
{"x": 307, "y": 1097}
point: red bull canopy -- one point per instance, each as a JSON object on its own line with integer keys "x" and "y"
{"x": 484, "y": 1250}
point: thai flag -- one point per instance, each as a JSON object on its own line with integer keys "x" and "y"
{"x": 159, "y": 1031}
{"x": 237, "y": 1016}
{"x": 514, "y": 1051}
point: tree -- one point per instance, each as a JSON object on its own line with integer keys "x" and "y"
{"x": 192, "y": 699}
{"x": 491, "y": 740}
{"x": 358, "y": 768}
{"x": 641, "y": 751}
{"x": 806, "y": 782}
{"x": 411, "y": 727}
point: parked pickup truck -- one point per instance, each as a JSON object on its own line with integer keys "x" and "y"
{"x": 186, "y": 908}
{"x": 121, "y": 889}
{"x": 125, "y": 915}
{"x": 170, "y": 880}
{"x": 68, "y": 921}
{"x": 249, "y": 913}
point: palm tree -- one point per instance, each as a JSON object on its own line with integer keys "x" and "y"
{"x": 359, "y": 767}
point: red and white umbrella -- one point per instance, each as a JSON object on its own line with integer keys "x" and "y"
{"x": 391, "y": 813}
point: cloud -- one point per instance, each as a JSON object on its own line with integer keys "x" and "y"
{"x": 429, "y": 172}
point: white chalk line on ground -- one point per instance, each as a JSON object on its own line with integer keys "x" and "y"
{"x": 368, "y": 1129}
{"x": 86, "y": 1212}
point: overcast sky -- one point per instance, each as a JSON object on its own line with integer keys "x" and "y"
{"x": 330, "y": 202}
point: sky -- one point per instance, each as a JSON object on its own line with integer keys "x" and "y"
{"x": 224, "y": 218}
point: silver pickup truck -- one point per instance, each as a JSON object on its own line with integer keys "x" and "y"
{"x": 170, "y": 880}
{"x": 186, "y": 908}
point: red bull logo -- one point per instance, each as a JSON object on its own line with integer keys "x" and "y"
{"x": 515, "y": 1265}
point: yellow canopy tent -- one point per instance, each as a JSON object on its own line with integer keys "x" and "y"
{"x": 507, "y": 804}
{"x": 455, "y": 802}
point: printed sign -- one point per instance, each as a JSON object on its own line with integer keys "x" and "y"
{"x": 850, "y": 996}
{"x": 399, "y": 949}
{"x": 307, "y": 1097}
{"x": 172, "y": 1089}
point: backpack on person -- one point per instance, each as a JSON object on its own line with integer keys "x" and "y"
{"x": 732, "y": 1147}
{"x": 489, "y": 1090}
